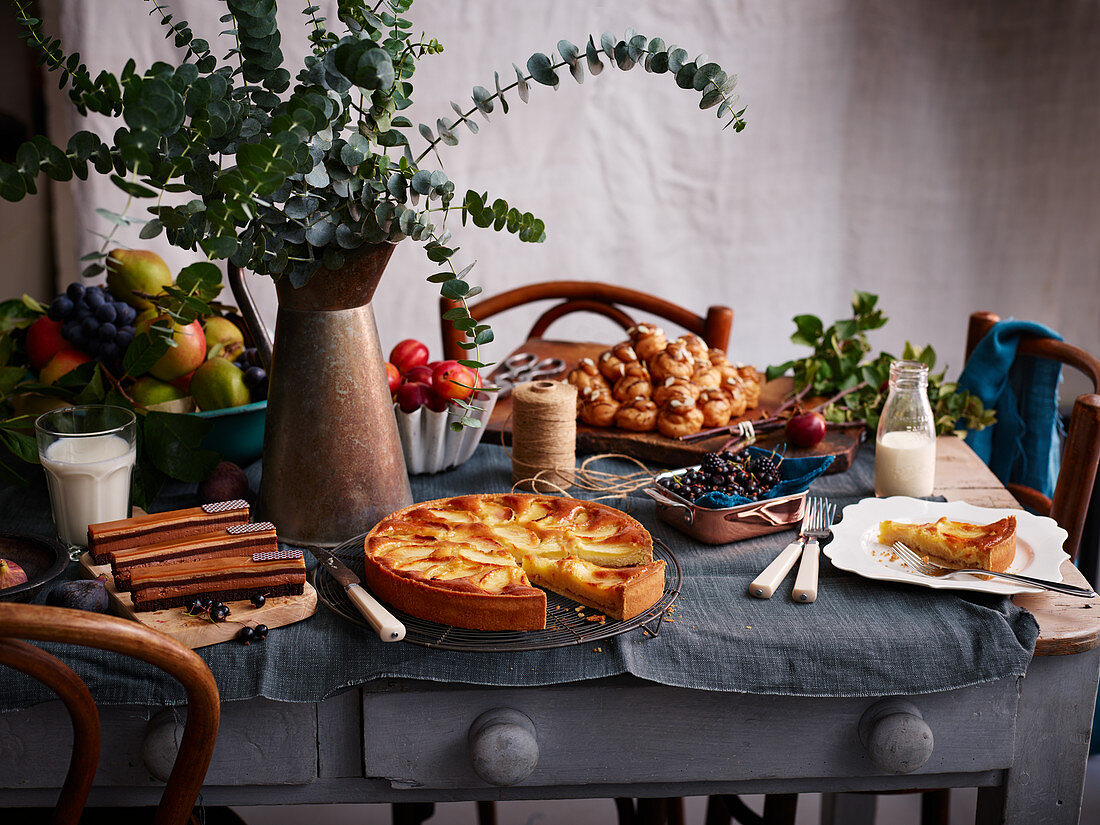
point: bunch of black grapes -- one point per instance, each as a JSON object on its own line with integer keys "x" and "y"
{"x": 94, "y": 321}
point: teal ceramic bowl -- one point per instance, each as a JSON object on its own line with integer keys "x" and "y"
{"x": 238, "y": 432}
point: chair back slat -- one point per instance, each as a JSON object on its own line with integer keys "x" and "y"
{"x": 591, "y": 296}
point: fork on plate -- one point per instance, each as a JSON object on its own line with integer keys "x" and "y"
{"x": 930, "y": 568}
{"x": 813, "y": 518}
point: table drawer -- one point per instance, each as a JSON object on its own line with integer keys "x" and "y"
{"x": 625, "y": 731}
{"x": 259, "y": 743}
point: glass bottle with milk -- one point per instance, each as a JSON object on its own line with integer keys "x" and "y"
{"x": 905, "y": 447}
{"x": 88, "y": 454}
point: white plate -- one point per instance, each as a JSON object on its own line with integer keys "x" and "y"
{"x": 855, "y": 546}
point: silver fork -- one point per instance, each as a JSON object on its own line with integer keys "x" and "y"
{"x": 930, "y": 568}
{"x": 763, "y": 586}
{"x": 805, "y": 583}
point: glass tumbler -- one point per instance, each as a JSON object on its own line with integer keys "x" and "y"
{"x": 88, "y": 453}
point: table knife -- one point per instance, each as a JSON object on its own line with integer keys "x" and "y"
{"x": 387, "y": 626}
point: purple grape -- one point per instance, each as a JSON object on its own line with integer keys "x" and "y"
{"x": 126, "y": 314}
{"x": 75, "y": 291}
{"x": 81, "y": 312}
{"x": 90, "y": 325}
{"x": 107, "y": 332}
{"x": 92, "y": 346}
{"x": 124, "y": 337}
{"x": 60, "y": 308}
{"x": 254, "y": 376}
{"x": 77, "y": 338}
{"x": 106, "y": 313}
{"x": 93, "y": 298}
{"x": 108, "y": 350}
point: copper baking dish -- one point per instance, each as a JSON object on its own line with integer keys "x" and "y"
{"x": 722, "y": 526}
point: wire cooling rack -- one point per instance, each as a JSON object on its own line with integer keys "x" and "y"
{"x": 565, "y": 624}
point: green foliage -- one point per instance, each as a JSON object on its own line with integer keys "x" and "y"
{"x": 840, "y": 362}
{"x": 289, "y": 174}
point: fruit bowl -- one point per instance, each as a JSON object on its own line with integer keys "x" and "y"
{"x": 43, "y": 560}
{"x": 430, "y": 445}
{"x": 238, "y": 432}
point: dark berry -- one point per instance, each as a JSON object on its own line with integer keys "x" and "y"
{"x": 108, "y": 350}
{"x": 192, "y": 607}
{"x": 75, "y": 292}
{"x": 219, "y": 612}
{"x": 106, "y": 313}
{"x": 107, "y": 331}
{"x": 246, "y": 634}
{"x": 204, "y": 602}
{"x": 60, "y": 307}
{"x": 253, "y": 376}
{"x": 261, "y": 631}
{"x": 258, "y": 600}
{"x": 93, "y": 298}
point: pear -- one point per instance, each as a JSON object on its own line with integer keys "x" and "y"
{"x": 219, "y": 330}
{"x": 148, "y": 391}
{"x": 136, "y": 270}
{"x": 218, "y": 384}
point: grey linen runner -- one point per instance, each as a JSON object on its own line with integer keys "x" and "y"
{"x": 860, "y": 638}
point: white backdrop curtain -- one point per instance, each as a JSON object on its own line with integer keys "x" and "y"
{"x": 942, "y": 154}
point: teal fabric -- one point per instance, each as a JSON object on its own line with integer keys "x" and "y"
{"x": 1024, "y": 446}
{"x": 718, "y": 638}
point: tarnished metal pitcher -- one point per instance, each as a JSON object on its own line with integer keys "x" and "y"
{"x": 332, "y": 463}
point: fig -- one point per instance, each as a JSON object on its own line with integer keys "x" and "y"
{"x": 82, "y": 594}
{"x": 11, "y": 574}
{"x": 226, "y": 483}
{"x": 806, "y": 429}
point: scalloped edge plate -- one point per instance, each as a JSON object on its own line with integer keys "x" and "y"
{"x": 855, "y": 546}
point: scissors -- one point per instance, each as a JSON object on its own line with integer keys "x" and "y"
{"x": 525, "y": 366}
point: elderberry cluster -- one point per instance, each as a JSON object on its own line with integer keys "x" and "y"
{"x": 742, "y": 474}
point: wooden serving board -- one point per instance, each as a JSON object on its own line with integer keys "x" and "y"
{"x": 197, "y": 631}
{"x": 842, "y": 444}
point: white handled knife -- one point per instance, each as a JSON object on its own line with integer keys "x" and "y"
{"x": 387, "y": 626}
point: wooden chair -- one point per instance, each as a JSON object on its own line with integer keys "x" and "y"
{"x": 1081, "y": 450}
{"x": 21, "y": 621}
{"x": 590, "y": 296}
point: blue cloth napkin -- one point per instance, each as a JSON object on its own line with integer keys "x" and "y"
{"x": 795, "y": 474}
{"x": 1024, "y": 446}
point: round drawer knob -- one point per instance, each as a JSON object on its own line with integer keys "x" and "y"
{"x": 896, "y": 737}
{"x": 162, "y": 743}
{"x": 503, "y": 746}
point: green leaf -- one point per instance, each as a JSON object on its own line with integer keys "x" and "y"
{"x": 592, "y": 55}
{"x": 541, "y": 71}
{"x": 144, "y": 351}
{"x": 172, "y": 444}
{"x": 151, "y": 229}
{"x": 133, "y": 188}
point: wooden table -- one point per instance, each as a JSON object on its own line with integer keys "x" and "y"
{"x": 1024, "y": 742}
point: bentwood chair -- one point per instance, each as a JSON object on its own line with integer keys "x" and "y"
{"x": 20, "y": 622}
{"x": 603, "y": 299}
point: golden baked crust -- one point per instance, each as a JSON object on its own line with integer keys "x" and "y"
{"x": 957, "y": 544}
{"x": 458, "y": 560}
{"x": 621, "y": 593}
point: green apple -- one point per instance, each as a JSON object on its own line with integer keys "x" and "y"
{"x": 148, "y": 391}
{"x": 186, "y": 355}
{"x": 222, "y": 331}
{"x": 136, "y": 270}
{"x": 218, "y": 384}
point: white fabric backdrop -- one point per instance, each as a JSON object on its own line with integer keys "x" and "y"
{"x": 941, "y": 154}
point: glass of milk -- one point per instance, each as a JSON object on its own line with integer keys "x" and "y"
{"x": 88, "y": 454}
{"x": 905, "y": 447}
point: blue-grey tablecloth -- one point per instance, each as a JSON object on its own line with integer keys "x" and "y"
{"x": 860, "y": 638}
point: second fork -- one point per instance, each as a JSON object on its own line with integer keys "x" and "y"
{"x": 805, "y": 583}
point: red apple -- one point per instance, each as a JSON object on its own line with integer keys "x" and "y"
{"x": 44, "y": 341}
{"x": 63, "y": 362}
{"x": 183, "y": 382}
{"x": 806, "y": 429}
{"x": 418, "y": 375}
{"x": 393, "y": 376}
{"x": 185, "y": 357}
{"x": 408, "y": 354}
{"x": 453, "y": 381}
{"x": 411, "y": 397}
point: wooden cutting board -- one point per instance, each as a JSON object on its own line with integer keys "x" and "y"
{"x": 654, "y": 447}
{"x": 197, "y": 631}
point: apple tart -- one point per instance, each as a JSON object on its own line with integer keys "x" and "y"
{"x": 461, "y": 561}
{"x": 957, "y": 544}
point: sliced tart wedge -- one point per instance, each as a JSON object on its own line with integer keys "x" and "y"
{"x": 619, "y": 592}
{"x": 957, "y": 544}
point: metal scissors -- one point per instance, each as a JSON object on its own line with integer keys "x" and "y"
{"x": 525, "y": 366}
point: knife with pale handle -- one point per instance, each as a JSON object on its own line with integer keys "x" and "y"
{"x": 387, "y": 626}
{"x": 763, "y": 586}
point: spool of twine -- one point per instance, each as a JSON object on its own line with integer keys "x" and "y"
{"x": 544, "y": 433}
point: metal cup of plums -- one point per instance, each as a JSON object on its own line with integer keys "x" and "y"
{"x": 437, "y": 404}
{"x": 692, "y": 499}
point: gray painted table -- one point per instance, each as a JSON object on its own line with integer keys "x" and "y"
{"x": 1023, "y": 742}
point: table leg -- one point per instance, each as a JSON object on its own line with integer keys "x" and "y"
{"x": 1053, "y": 725}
